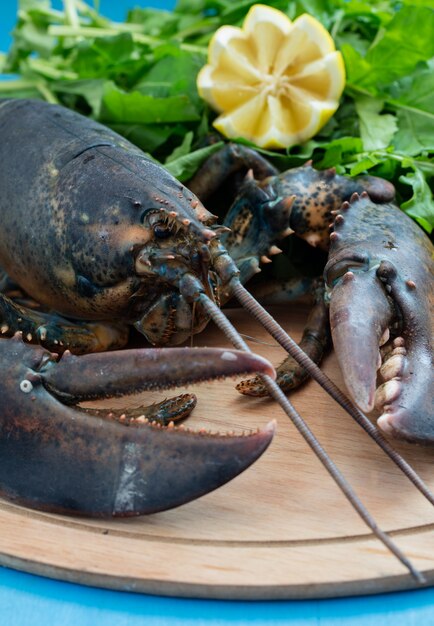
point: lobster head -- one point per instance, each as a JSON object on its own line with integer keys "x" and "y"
{"x": 179, "y": 241}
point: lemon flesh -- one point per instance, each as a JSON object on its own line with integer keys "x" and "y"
{"x": 275, "y": 82}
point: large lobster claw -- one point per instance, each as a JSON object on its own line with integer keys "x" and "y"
{"x": 61, "y": 458}
{"x": 380, "y": 273}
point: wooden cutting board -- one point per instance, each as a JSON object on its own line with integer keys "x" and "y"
{"x": 280, "y": 530}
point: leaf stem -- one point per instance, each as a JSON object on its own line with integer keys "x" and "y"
{"x": 16, "y": 85}
{"x": 46, "y": 93}
{"x": 71, "y": 13}
{"x": 354, "y": 89}
{"x": 337, "y": 24}
{"x": 116, "y": 29}
{"x": 425, "y": 166}
{"x": 49, "y": 71}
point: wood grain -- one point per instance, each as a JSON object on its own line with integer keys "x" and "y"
{"x": 280, "y": 530}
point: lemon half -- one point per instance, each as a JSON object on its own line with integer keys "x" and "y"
{"x": 274, "y": 81}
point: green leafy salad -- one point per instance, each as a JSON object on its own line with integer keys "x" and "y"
{"x": 139, "y": 78}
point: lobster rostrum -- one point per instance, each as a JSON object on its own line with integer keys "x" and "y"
{"x": 101, "y": 238}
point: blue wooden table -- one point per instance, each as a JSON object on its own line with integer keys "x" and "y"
{"x": 27, "y": 600}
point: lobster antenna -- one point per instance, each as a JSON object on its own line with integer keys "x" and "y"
{"x": 276, "y": 393}
{"x": 293, "y": 349}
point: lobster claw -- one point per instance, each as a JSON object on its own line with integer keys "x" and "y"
{"x": 359, "y": 317}
{"x": 380, "y": 276}
{"x": 62, "y": 458}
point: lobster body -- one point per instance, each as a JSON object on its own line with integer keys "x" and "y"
{"x": 58, "y": 233}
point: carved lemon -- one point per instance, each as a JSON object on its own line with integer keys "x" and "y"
{"x": 274, "y": 81}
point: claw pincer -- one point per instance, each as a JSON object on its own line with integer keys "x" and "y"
{"x": 59, "y": 457}
{"x": 380, "y": 275}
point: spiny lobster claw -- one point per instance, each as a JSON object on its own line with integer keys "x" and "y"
{"x": 66, "y": 459}
{"x": 380, "y": 276}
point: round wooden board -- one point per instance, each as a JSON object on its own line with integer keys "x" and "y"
{"x": 280, "y": 530}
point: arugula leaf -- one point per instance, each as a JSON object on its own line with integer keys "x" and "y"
{"x": 414, "y": 101}
{"x": 397, "y": 50}
{"x": 407, "y": 41}
{"x": 138, "y": 108}
{"x": 182, "y": 150}
{"x": 376, "y": 129}
{"x": 415, "y": 134}
{"x": 148, "y": 137}
{"x": 90, "y": 90}
{"x": 174, "y": 72}
{"x": 186, "y": 165}
{"x": 421, "y": 205}
{"x": 337, "y": 152}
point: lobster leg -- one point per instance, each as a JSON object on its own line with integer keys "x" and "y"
{"x": 166, "y": 413}
{"x": 61, "y": 458}
{"x": 57, "y": 333}
{"x": 232, "y": 158}
{"x": 314, "y": 342}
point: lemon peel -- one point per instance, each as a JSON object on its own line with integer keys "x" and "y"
{"x": 274, "y": 81}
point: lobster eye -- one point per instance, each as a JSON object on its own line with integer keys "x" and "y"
{"x": 162, "y": 231}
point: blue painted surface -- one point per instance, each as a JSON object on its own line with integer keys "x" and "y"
{"x": 7, "y": 20}
{"x": 27, "y": 600}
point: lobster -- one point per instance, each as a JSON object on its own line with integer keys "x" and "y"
{"x": 100, "y": 238}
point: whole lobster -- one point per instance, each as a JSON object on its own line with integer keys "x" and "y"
{"x": 96, "y": 238}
